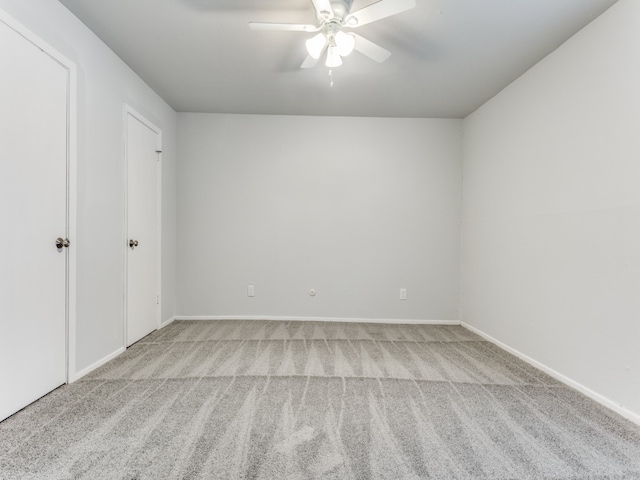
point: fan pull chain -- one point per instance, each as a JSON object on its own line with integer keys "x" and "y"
{"x": 331, "y": 78}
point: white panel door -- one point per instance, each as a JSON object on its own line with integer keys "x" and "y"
{"x": 33, "y": 213}
{"x": 143, "y": 229}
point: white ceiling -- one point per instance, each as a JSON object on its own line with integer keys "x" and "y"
{"x": 448, "y": 56}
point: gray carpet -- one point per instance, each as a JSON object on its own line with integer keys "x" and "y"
{"x": 307, "y": 400}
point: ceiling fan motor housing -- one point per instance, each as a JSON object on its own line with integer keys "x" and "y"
{"x": 341, "y": 9}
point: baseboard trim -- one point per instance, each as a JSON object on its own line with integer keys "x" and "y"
{"x": 167, "y": 322}
{"x": 97, "y": 364}
{"x": 601, "y": 399}
{"x": 397, "y": 321}
{"x": 110, "y": 357}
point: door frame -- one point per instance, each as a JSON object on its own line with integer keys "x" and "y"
{"x": 71, "y": 189}
{"x": 131, "y": 112}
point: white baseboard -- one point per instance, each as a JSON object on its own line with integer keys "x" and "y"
{"x": 99, "y": 363}
{"x": 601, "y": 399}
{"x": 167, "y": 322}
{"x": 109, "y": 357}
{"x": 397, "y": 321}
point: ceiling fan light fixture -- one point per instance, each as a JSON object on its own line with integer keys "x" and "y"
{"x": 315, "y": 45}
{"x": 333, "y": 57}
{"x": 331, "y": 17}
{"x": 345, "y": 43}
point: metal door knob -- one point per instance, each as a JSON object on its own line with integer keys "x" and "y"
{"x": 133, "y": 243}
{"x": 62, "y": 242}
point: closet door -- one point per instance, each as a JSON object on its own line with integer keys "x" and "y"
{"x": 143, "y": 227}
{"x": 33, "y": 215}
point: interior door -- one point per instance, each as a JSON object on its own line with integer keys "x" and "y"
{"x": 33, "y": 214}
{"x": 143, "y": 245}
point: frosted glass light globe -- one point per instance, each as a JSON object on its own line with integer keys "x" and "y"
{"x": 345, "y": 43}
{"x": 315, "y": 45}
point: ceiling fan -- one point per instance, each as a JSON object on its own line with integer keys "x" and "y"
{"x": 334, "y": 16}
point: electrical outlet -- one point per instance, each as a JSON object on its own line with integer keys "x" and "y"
{"x": 403, "y": 294}
{"x": 251, "y": 290}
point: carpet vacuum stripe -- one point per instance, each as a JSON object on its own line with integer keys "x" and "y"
{"x": 312, "y": 400}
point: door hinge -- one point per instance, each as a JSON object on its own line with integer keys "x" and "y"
{"x": 158, "y": 299}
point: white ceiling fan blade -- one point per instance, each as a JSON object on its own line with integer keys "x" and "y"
{"x": 370, "y": 49}
{"x": 378, "y": 11}
{"x": 323, "y": 7}
{"x": 283, "y": 27}
{"x": 309, "y": 62}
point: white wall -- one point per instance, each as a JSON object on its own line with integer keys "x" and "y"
{"x": 355, "y": 208}
{"x": 551, "y": 210}
{"x": 105, "y": 84}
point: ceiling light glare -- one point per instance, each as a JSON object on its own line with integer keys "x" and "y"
{"x": 345, "y": 43}
{"x": 333, "y": 58}
{"x": 316, "y": 44}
